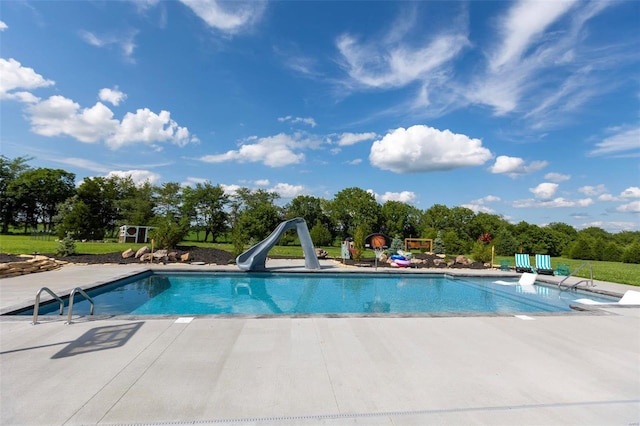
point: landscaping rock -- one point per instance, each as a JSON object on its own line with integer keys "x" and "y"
{"x": 142, "y": 251}
{"x": 185, "y": 257}
{"x": 128, "y": 253}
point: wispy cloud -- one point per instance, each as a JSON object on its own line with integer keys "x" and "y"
{"x": 228, "y": 17}
{"x": 123, "y": 40}
{"x": 622, "y": 142}
{"x": 295, "y": 120}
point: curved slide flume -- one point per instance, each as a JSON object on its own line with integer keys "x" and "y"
{"x": 255, "y": 258}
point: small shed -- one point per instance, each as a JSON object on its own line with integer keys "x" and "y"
{"x": 134, "y": 234}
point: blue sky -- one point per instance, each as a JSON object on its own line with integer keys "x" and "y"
{"x": 527, "y": 109}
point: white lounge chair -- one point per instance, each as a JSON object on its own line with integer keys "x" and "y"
{"x": 630, "y": 297}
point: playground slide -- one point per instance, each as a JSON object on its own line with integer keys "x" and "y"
{"x": 255, "y": 258}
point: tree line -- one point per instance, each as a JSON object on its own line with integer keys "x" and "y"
{"x": 48, "y": 199}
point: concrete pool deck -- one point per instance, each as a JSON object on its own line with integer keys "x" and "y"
{"x": 576, "y": 368}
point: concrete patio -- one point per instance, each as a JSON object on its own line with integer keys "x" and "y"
{"x": 576, "y": 368}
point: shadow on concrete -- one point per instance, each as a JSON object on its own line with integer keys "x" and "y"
{"x": 100, "y": 339}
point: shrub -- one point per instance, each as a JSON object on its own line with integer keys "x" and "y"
{"x": 481, "y": 252}
{"x": 238, "y": 239}
{"x": 320, "y": 235}
{"x": 396, "y": 245}
{"x": 168, "y": 232}
{"x": 358, "y": 242}
{"x": 66, "y": 246}
{"x": 438, "y": 244}
{"x": 632, "y": 254}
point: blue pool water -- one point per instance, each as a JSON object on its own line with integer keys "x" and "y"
{"x": 266, "y": 293}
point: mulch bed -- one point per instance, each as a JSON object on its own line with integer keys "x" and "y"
{"x": 219, "y": 257}
{"x": 196, "y": 254}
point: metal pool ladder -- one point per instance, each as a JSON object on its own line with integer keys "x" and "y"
{"x": 55, "y": 296}
{"x": 588, "y": 281}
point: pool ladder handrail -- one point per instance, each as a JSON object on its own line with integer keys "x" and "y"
{"x": 588, "y": 281}
{"x": 71, "y": 296}
{"x": 36, "y": 305}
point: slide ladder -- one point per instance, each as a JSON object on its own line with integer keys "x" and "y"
{"x": 255, "y": 258}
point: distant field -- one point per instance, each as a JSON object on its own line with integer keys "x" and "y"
{"x": 617, "y": 272}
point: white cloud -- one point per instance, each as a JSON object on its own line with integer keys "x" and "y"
{"x": 557, "y": 177}
{"x": 626, "y": 140}
{"x": 607, "y": 197}
{"x": 273, "y": 151}
{"x": 555, "y": 203}
{"x": 354, "y": 162}
{"x": 61, "y": 116}
{"x": 515, "y": 166}
{"x": 632, "y": 207}
{"x": 631, "y": 192}
{"x": 612, "y": 226}
{"x": 14, "y": 76}
{"x": 523, "y": 25}
{"x": 124, "y": 41}
{"x": 286, "y": 190}
{"x": 230, "y": 189}
{"x": 191, "y": 181}
{"x": 148, "y": 127}
{"x": 422, "y": 149}
{"x": 545, "y": 190}
{"x": 229, "y": 17}
{"x": 408, "y": 197}
{"x": 84, "y": 164}
{"x": 3, "y": 26}
{"x": 262, "y": 182}
{"x": 592, "y": 191}
{"x": 113, "y": 96}
{"x": 392, "y": 63}
{"x": 478, "y": 208}
{"x": 352, "y": 138}
{"x": 479, "y": 205}
{"x": 294, "y": 120}
{"x": 522, "y": 66}
{"x": 138, "y": 176}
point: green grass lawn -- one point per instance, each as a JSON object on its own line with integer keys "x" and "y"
{"x": 617, "y": 272}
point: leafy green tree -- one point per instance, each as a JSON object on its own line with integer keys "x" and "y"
{"x": 582, "y": 248}
{"x": 461, "y": 220}
{"x": 9, "y": 172}
{"x": 205, "y": 206}
{"x": 632, "y": 254}
{"x": 354, "y": 207}
{"x": 481, "y": 252}
{"x": 359, "y": 236}
{"x": 483, "y": 223}
{"x": 453, "y": 243}
{"x": 311, "y": 209}
{"x": 39, "y": 191}
{"x": 505, "y": 243}
{"x": 168, "y": 200}
{"x": 437, "y": 216}
{"x": 400, "y": 218}
{"x": 136, "y": 203}
{"x": 257, "y": 213}
{"x": 612, "y": 252}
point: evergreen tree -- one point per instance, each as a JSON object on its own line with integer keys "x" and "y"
{"x": 438, "y": 244}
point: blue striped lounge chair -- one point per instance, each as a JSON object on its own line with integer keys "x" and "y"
{"x": 522, "y": 263}
{"x": 543, "y": 264}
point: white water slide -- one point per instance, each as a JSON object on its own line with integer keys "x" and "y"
{"x": 255, "y": 258}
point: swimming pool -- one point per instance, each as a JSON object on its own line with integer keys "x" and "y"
{"x": 318, "y": 293}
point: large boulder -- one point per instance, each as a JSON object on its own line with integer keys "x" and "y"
{"x": 128, "y": 253}
{"x": 141, "y": 251}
